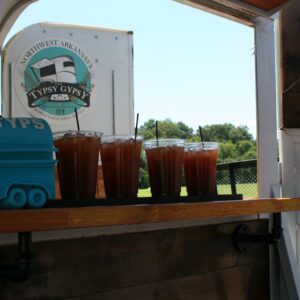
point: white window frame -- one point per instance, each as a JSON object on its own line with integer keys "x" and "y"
{"x": 268, "y": 89}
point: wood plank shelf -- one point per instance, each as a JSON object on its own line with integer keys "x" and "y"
{"x": 97, "y": 216}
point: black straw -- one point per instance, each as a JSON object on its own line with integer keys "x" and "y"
{"x": 136, "y": 126}
{"x": 77, "y": 120}
{"x": 156, "y": 132}
{"x": 201, "y": 136}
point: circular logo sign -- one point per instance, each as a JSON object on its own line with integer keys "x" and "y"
{"x": 57, "y": 78}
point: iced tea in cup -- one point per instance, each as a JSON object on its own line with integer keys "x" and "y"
{"x": 78, "y": 153}
{"x": 120, "y": 156}
{"x": 164, "y": 161}
{"x": 200, "y": 166}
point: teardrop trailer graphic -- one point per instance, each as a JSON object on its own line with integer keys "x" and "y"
{"x": 59, "y": 69}
{"x": 57, "y": 80}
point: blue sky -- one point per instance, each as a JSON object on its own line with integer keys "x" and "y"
{"x": 189, "y": 65}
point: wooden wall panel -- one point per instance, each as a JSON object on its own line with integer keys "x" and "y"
{"x": 187, "y": 263}
{"x": 290, "y": 45}
{"x": 228, "y": 284}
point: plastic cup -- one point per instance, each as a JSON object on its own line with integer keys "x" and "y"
{"x": 77, "y": 155}
{"x": 164, "y": 161}
{"x": 120, "y": 156}
{"x": 200, "y": 166}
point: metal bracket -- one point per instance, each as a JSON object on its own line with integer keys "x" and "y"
{"x": 21, "y": 270}
{"x": 243, "y": 238}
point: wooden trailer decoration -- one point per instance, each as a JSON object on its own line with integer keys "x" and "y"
{"x": 26, "y": 163}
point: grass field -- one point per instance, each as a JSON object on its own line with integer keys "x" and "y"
{"x": 246, "y": 189}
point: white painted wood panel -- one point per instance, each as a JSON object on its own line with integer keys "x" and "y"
{"x": 266, "y": 106}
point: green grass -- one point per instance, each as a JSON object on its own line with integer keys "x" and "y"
{"x": 147, "y": 192}
{"x": 247, "y": 189}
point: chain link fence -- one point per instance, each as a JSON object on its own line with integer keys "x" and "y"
{"x": 238, "y": 178}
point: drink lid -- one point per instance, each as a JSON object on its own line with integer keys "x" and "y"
{"x": 164, "y": 143}
{"x": 201, "y": 146}
{"x": 120, "y": 138}
{"x": 76, "y": 133}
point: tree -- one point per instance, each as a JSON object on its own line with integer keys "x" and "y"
{"x": 227, "y": 152}
{"x": 225, "y": 133}
{"x": 186, "y": 132}
{"x": 240, "y": 133}
{"x": 217, "y": 132}
{"x": 147, "y": 130}
{"x": 166, "y": 129}
{"x": 246, "y": 149}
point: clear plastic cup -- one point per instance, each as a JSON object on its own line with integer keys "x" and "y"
{"x": 164, "y": 161}
{"x": 200, "y": 166}
{"x": 120, "y": 156}
{"x": 77, "y": 155}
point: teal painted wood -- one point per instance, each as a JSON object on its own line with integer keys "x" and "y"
{"x": 26, "y": 163}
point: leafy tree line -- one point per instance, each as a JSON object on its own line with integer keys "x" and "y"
{"x": 235, "y": 142}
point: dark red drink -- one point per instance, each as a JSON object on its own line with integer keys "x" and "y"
{"x": 78, "y": 154}
{"x": 200, "y": 164}
{"x": 164, "y": 161}
{"x": 120, "y": 156}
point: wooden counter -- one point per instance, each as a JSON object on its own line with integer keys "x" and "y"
{"x": 97, "y": 216}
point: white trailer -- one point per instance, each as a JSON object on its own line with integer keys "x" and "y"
{"x": 51, "y": 69}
